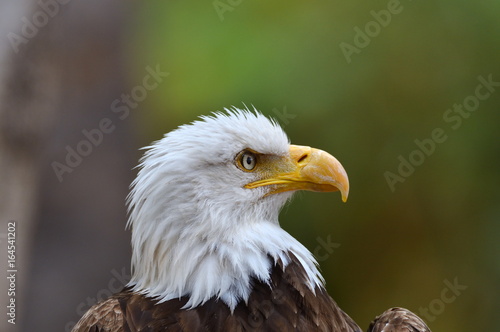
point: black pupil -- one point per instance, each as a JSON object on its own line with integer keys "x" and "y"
{"x": 249, "y": 160}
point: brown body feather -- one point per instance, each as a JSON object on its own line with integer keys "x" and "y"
{"x": 286, "y": 304}
{"x": 398, "y": 320}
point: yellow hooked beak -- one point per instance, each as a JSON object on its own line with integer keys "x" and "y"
{"x": 305, "y": 168}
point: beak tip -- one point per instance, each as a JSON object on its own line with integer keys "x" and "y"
{"x": 344, "y": 196}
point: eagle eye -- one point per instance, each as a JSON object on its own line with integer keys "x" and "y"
{"x": 247, "y": 160}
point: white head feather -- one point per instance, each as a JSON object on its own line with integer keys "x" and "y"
{"x": 196, "y": 231}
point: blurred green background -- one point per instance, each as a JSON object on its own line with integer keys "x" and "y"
{"x": 400, "y": 244}
{"x": 394, "y": 248}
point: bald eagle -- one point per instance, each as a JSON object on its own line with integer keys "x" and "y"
{"x": 208, "y": 253}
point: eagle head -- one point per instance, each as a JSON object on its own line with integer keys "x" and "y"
{"x": 204, "y": 207}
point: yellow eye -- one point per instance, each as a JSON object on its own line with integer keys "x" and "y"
{"x": 248, "y": 160}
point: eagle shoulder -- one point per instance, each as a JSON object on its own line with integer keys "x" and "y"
{"x": 398, "y": 320}
{"x": 105, "y": 316}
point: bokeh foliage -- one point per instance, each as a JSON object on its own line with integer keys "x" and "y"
{"x": 396, "y": 248}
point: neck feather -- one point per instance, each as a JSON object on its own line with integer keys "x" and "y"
{"x": 172, "y": 263}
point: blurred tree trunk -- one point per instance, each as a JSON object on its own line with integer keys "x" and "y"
{"x": 62, "y": 66}
{"x": 28, "y": 86}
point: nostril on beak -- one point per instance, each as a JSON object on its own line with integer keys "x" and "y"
{"x": 302, "y": 158}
